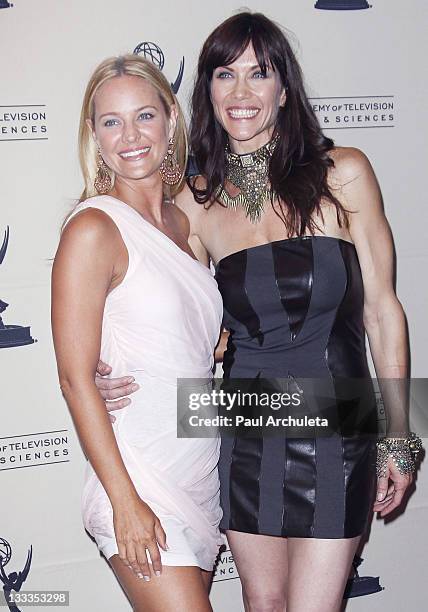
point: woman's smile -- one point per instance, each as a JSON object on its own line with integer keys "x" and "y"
{"x": 134, "y": 154}
{"x": 239, "y": 113}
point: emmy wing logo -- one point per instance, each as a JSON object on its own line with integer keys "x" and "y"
{"x": 342, "y": 5}
{"x": 151, "y": 51}
{"x": 11, "y": 335}
{"x": 12, "y": 581}
{"x": 5, "y": 4}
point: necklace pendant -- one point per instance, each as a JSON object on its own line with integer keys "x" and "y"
{"x": 246, "y": 160}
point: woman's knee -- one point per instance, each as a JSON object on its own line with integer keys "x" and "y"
{"x": 258, "y": 598}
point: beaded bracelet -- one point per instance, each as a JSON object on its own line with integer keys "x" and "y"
{"x": 404, "y": 453}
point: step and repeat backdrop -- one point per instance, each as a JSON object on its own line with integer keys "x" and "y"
{"x": 364, "y": 70}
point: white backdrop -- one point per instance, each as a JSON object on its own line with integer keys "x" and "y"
{"x": 352, "y": 61}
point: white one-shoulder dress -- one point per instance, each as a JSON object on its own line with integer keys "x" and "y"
{"x": 160, "y": 324}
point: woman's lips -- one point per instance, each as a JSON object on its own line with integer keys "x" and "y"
{"x": 237, "y": 112}
{"x": 134, "y": 154}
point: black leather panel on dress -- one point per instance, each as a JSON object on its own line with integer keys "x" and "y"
{"x": 244, "y": 484}
{"x": 293, "y": 265}
{"x": 231, "y": 273}
{"x": 299, "y": 487}
{"x": 295, "y": 308}
{"x": 346, "y": 351}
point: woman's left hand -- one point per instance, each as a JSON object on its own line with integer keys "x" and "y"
{"x": 390, "y": 497}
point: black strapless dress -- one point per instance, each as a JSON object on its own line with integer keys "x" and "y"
{"x": 294, "y": 307}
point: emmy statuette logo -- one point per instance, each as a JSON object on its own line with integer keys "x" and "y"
{"x": 342, "y": 5}
{"x": 11, "y": 335}
{"x": 12, "y": 581}
{"x": 151, "y": 51}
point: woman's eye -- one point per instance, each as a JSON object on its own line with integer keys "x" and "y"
{"x": 110, "y": 122}
{"x": 259, "y": 74}
{"x": 223, "y": 75}
{"x": 145, "y": 116}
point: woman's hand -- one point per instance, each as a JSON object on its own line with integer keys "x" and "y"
{"x": 113, "y": 388}
{"x": 390, "y": 497}
{"x": 138, "y": 529}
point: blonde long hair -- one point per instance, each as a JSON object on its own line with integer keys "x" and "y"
{"x": 130, "y": 65}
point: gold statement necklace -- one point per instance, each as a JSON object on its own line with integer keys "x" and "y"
{"x": 249, "y": 173}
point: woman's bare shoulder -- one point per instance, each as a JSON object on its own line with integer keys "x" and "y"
{"x": 349, "y": 164}
{"x": 354, "y": 182}
{"x": 90, "y": 229}
{"x": 185, "y": 199}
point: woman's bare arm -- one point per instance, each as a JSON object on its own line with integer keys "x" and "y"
{"x": 89, "y": 262}
{"x": 81, "y": 278}
{"x": 383, "y": 314}
{"x": 384, "y": 317}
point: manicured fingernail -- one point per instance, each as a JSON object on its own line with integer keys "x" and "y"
{"x": 139, "y": 575}
{"x": 380, "y": 496}
{"x": 147, "y": 578}
{"x": 130, "y": 379}
{"x": 157, "y": 572}
{"x": 135, "y": 387}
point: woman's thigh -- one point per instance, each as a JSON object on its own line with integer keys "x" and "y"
{"x": 292, "y": 574}
{"x": 207, "y": 579}
{"x": 177, "y": 588}
{"x": 261, "y": 562}
{"x": 317, "y": 573}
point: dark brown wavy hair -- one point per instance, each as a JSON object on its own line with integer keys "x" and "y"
{"x": 299, "y": 165}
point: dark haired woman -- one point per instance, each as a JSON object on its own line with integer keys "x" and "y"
{"x": 304, "y": 262}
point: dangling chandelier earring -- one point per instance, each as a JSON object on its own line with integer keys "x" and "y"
{"x": 102, "y": 182}
{"x": 170, "y": 170}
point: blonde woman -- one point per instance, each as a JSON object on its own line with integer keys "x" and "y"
{"x": 126, "y": 285}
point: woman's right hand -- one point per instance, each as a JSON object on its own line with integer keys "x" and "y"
{"x": 138, "y": 529}
{"x": 113, "y": 388}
